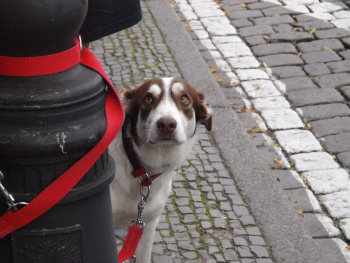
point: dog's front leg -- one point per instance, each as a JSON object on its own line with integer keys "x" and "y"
{"x": 144, "y": 249}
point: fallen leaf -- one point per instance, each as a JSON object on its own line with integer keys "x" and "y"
{"x": 189, "y": 29}
{"x": 348, "y": 248}
{"x": 227, "y": 11}
{"x": 289, "y": 154}
{"x": 137, "y": 36}
{"x": 343, "y": 223}
{"x": 327, "y": 48}
{"x": 299, "y": 54}
{"x": 221, "y": 5}
{"x": 303, "y": 178}
{"x": 307, "y": 5}
{"x": 278, "y": 179}
{"x": 262, "y": 68}
{"x": 295, "y": 29}
{"x": 217, "y": 79}
{"x": 235, "y": 108}
{"x": 258, "y": 119}
{"x": 244, "y": 5}
{"x": 275, "y": 15}
{"x": 258, "y": 130}
{"x": 278, "y": 162}
{"x": 248, "y": 129}
{"x": 334, "y": 157}
{"x": 256, "y": 85}
{"x": 184, "y": 23}
{"x": 246, "y": 111}
{"x": 290, "y": 200}
{"x": 290, "y": 169}
{"x": 308, "y": 127}
{"x": 212, "y": 70}
{"x": 311, "y": 77}
{"x": 273, "y": 167}
{"x": 299, "y": 212}
{"x": 233, "y": 81}
{"x": 312, "y": 31}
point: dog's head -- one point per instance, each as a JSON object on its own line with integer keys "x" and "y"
{"x": 165, "y": 111}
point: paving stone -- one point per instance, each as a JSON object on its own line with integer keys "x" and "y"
{"x": 220, "y": 223}
{"x": 250, "y": 74}
{"x": 233, "y": 7}
{"x": 313, "y": 161}
{"x": 283, "y": 10}
{"x": 328, "y": 181}
{"x": 208, "y": 12}
{"x": 213, "y": 249}
{"x": 230, "y": 255}
{"x": 345, "y": 54}
{"x": 320, "y": 56}
{"x": 181, "y": 192}
{"x": 259, "y": 251}
{"x": 346, "y": 41}
{"x": 317, "y": 69}
{"x": 337, "y": 204}
{"x": 287, "y": 72}
{"x": 317, "y": 24}
{"x": 247, "y": 220}
{"x": 255, "y": 40}
{"x": 341, "y": 66}
{"x": 314, "y": 16}
{"x": 253, "y": 231}
{"x": 326, "y": 127}
{"x": 264, "y": 260}
{"x": 162, "y": 259}
{"x": 284, "y": 19}
{"x": 297, "y": 141}
{"x": 260, "y": 6}
{"x": 230, "y": 189}
{"x": 332, "y": 33}
{"x": 342, "y": 14}
{"x": 271, "y": 49}
{"x": 243, "y": 22}
{"x": 283, "y": 28}
{"x": 303, "y": 199}
{"x": 269, "y": 155}
{"x": 270, "y": 103}
{"x": 344, "y": 159}
{"x": 326, "y": 111}
{"x": 330, "y": 251}
{"x": 328, "y": 225}
{"x": 185, "y": 210}
{"x": 245, "y": 14}
{"x": 225, "y": 243}
{"x": 244, "y": 252}
{"x": 219, "y": 20}
{"x": 243, "y": 62}
{"x": 185, "y": 245}
{"x": 288, "y": 179}
{"x": 240, "y": 241}
{"x": 260, "y": 88}
{"x": 240, "y": 210}
{"x": 344, "y": 225}
{"x": 221, "y": 30}
{"x": 333, "y": 81}
{"x": 291, "y": 37}
{"x": 236, "y": 199}
{"x": 306, "y": 97}
{"x": 282, "y": 60}
{"x": 293, "y": 84}
{"x": 282, "y": 119}
{"x": 182, "y": 201}
{"x": 256, "y": 30}
{"x": 318, "y": 45}
{"x": 337, "y": 143}
{"x": 324, "y": 7}
{"x": 257, "y": 240}
{"x": 342, "y": 23}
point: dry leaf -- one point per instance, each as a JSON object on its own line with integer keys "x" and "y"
{"x": 256, "y": 85}
{"x": 307, "y": 5}
{"x": 227, "y": 11}
{"x": 343, "y": 223}
{"x": 244, "y": 5}
{"x": 235, "y": 108}
{"x": 334, "y": 157}
{"x": 217, "y": 79}
{"x": 289, "y": 154}
{"x": 258, "y": 119}
{"x": 308, "y": 127}
{"x": 348, "y": 248}
{"x": 327, "y": 48}
{"x": 184, "y": 23}
{"x": 258, "y": 130}
{"x": 290, "y": 169}
{"x": 189, "y": 29}
{"x": 246, "y": 111}
{"x": 295, "y": 29}
{"x": 299, "y": 54}
{"x": 290, "y": 200}
{"x": 303, "y": 178}
{"x": 232, "y": 81}
{"x": 312, "y": 31}
{"x": 262, "y": 68}
{"x": 248, "y": 129}
{"x": 277, "y": 145}
{"x": 221, "y": 5}
{"x": 137, "y": 36}
{"x": 273, "y": 167}
{"x": 277, "y": 162}
{"x": 212, "y": 70}
{"x": 278, "y": 179}
{"x": 275, "y": 15}
{"x": 299, "y": 212}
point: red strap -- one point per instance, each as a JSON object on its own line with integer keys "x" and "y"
{"x": 62, "y": 185}
{"x": 130, "y": 244}
{"x": 42, "y": 65}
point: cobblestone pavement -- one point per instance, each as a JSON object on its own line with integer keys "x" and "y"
{"x": 206, "y": 218}
{"x": 284, "y": 65}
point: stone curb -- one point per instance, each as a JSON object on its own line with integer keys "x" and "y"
{"x": 281, "y": 227}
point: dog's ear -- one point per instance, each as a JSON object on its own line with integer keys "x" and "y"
{"x": 204, "y": 112}
{"x": 128, "y": 98}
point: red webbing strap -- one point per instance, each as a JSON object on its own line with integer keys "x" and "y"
{"x": 130, "y": 244}
{"x": 62, "y": 185}
{"x": 42, "y": 65}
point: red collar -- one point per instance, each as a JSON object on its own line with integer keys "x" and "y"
{"x": 139, "y": 170}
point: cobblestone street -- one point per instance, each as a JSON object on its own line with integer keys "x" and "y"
{"x": 283, "y": 67}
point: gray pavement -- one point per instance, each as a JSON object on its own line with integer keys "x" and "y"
{"x": 250, "y": 192}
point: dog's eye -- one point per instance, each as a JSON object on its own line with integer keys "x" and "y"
{"x": 184, "y": 100}
{"x": 148, "y": 100}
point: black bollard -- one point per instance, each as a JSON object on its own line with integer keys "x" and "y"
{"x": 47, "y": 123}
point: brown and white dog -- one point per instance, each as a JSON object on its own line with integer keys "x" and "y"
{"x": 161, "y": 117}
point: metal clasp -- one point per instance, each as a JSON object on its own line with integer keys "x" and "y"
{"x": 134, "y": 258}
{"x": 10, "y": 200}
{"x": 81, "y": 45}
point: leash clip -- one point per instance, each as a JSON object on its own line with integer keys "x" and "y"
{"x": 10, "y": 200}
{"x": 80, "y": 45}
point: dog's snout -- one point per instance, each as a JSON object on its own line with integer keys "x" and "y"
{"x": 166, "y": 125}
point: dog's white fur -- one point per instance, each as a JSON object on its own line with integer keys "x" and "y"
{"x": 156, "y": 156}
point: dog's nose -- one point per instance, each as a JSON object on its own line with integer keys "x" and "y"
{"x": 166, "y": 125}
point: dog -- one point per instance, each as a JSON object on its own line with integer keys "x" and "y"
{"x": 161, "y": 119}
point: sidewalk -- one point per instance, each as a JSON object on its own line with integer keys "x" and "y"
{"x": 227, "y": 204}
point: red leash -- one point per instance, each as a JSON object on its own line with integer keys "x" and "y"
{"x": 44, "y": 65}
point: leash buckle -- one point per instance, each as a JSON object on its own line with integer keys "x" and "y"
{"x": 10, "y": 200}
